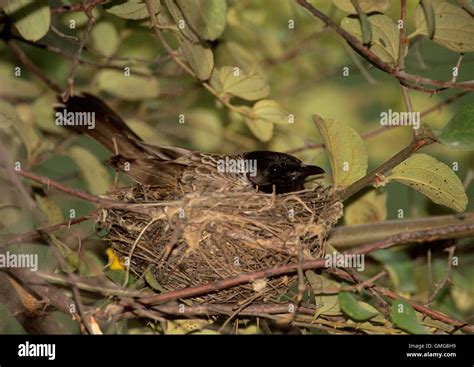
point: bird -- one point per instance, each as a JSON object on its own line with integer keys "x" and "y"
{"x": 179, "y": 169}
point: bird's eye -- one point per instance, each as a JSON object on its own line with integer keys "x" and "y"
{"x": 273, "y": 168}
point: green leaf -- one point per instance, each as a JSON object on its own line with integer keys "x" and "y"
{"x": 366, "y": 5}
{"x": 180, "y": 21}
{"x": 432, "y": 178}
{"x": 152, "y": 282}
{"x": 247, "y": 85}
{"x": 370, "y": 207}
{"x": 16, "y": 87}
{"x": 453, "y": 29}
{"x": 326, "y": 304}
{"x": 105, "y": 38}
{"x": 199, "y": 57}
{"x": 96, "y": 176}
{"x": 131, "y": 88}
{"x": 399, "y": 267}
{"x": 205, "y": 17}
{"x": 356, "y": 310}
{"x": 459, "y": 131}
{"x": 9, "y": 215}
{"x": 260, "y": 128}
{"x": 404, "y": 317}
{"x": 269, "y": 110}
{"x": 385, "y": 35}
{"x": 31, "y": 18}
{"x": 132, "y": 9}
{"x": 346, "y": 149}
{"x": 28, "y": 134}
{"x": 50, "y": 209}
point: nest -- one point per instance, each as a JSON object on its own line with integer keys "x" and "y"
{"x": 193, "y": 239}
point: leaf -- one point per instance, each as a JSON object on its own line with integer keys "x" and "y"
{"x": 399, "y": 267}
{"x": 260, "y": 128}
{"x": 356, "y": 310}
{"x": 50, "y": 209}
{"x": 180, "y": 21}
{"x": 152, "y": 282}
{"x": 459, "y": 131}
{"x": 432, "y": 178}
{"x": 199, "y": 57}
{"x": 467, "y": 5}
{"x": 205, "y": 17}
{"x": 269, "y": 110}
{"x": 247, "y": 85}
{"x": 366, "y": 5}
{"x": 454, "y": 26}
{"x": 105, "y": 38}
{"x": 326, "y": 304}
{"x": 31, "y": 18}
{"x": 96, "y": 176}
{"x": 17, "y": 87}
{"x": 369, "y": 208}
{"x": 132, "y": 9}
{"x": 404, "y": 317}
{"x": 385, "y": 35}
{"x": 9, "y": 215}
{"x": 28, "y": 134}
{"x": 346, "y": 149}
{"x": 131, "y": 88}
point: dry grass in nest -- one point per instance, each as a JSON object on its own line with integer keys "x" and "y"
{"x": 203, "y": 237}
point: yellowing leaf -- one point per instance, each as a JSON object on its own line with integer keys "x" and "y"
{"x": 385, "y": 35}
{"x": 96, "y": 176}
{"x": 269, "y": 110}
{"x": 453, "y": 28}
{"x": 369, "y": 208}
{"x": 432, "y": 178}
{"x": 262, "y": 129}
{"x": 131, "y": 87}
{"x": 250, "y": 86}
{"x": 31, "y": 18}
{"x": 366, "y": 5}
{"x": 132, "y": 9}
{"x": 199, "y": 57}
{"x": 105, "y": 38}
{"x": 49, "y": 207}
{"x": 346, "y": 149}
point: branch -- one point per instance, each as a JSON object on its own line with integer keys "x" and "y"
{"x": 418, "y": 142}
{"x": 365, "y": 52}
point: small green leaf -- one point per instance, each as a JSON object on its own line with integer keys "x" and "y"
{"x": 326, "y": 304}
{"x": 96, "y": 176}
{"x": 131, "y": 88}
{"x": 152, "y": 282}
{"x": 199, "y": 57}
{"x": 370, "y": 207}
{"x": 459, "y": 131}
{"x": 346, "y": 149}
{"x": 432, "y": 178}
{"x": 250, "y": 86}
{"x": 269, "y": 110}
{"x": 31, "y": 18}
{"x": 404, "y": 317}
{"x": 16, "y": 87}
{"x": 366, "y": 5}
{"x": 262, "y": 129}
{"x": 453, "y": 28}
{"x": 205, "y": 17}
{"x": 9, "y": 215}
{"x": 356, "y": 310}
{"x": 385, "y": 35}
{"x": 132, "y": 9}
{"x": 105, "y": 38}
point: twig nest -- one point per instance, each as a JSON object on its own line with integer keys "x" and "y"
{"x": 198, "y": 238}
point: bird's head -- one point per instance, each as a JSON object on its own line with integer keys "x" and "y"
{"x": 281, "y": 170}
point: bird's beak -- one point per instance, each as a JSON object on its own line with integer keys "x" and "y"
{"x": 309, "y": 170}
